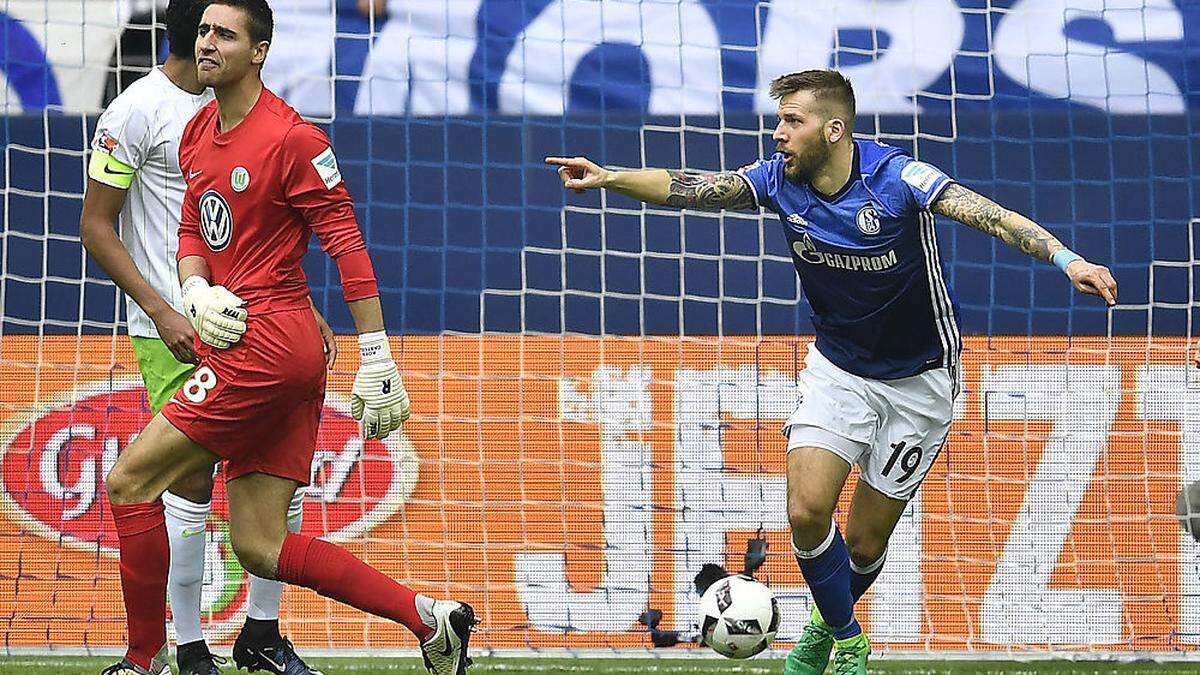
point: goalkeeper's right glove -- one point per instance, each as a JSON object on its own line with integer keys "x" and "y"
{"x": 215, "y": 313}
{"x": 378, "y": 399}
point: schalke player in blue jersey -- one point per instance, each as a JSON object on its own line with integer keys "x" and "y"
{"x": 879, "y": 383}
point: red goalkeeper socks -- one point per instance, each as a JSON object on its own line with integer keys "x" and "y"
{"x": 145, "y": 559}
{"x": 334, "y": 573}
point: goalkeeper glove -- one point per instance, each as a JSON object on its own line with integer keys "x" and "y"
{"x": 378, "y": 399}
{"x": 215, "y": 313}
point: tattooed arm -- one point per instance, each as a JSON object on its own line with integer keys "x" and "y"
{"x": 681, "y": 189}
{"x": 974, "y": 210}
{"x": 709, "y": 191}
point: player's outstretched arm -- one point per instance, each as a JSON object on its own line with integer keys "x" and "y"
{"x": 98, "y": 230}
{"x": 974, "y": 210}
{"x": 665, "y": 187}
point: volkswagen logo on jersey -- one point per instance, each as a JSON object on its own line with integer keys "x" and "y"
{"x": 868, "y": 219}
{"x": 216, "y": 220}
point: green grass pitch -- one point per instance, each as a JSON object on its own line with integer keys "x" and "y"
{"x": 29, "y": 665}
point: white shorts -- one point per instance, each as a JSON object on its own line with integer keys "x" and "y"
{"x": 893, "y": 429}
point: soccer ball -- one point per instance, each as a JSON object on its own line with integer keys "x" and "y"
{"x": 738, "y": 617}
{"x": 1187, "y": 508}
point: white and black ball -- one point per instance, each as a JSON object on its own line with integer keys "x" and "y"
{"x": 1187, "y": 508}
{"x": 738, "y": 617}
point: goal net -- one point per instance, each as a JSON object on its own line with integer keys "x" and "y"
{"x": 598, "y": 386}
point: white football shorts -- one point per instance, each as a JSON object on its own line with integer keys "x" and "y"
{"x": 893, "y": 429}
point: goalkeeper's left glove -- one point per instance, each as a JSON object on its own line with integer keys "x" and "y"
{"x": 378, "y": 399}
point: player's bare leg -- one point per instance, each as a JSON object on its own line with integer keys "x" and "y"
{"x": 258, "y": 523}
{"x": 196, "y": 487}
{"x": 815, "y": 478}
{"x": 159, "y": 457}
{"x": 257, "y": 509}
{"x": 873, "y": 517}
{"x": 260, "y": 645}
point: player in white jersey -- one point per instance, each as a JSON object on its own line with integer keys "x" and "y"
{"x": 880, "y": 380}
{"x": 134, "y": 178}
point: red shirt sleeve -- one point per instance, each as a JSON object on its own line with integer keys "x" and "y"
{"x": 190, "y": 242}
{"x": 313, "y": 185}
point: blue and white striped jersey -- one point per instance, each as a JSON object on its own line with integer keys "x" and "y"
{"x": 868, "y": 261}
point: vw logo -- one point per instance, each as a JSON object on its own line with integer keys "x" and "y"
{"x": 216, "y": 220}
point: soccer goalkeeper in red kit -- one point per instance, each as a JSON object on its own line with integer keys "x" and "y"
{"x": 260, "y": 180}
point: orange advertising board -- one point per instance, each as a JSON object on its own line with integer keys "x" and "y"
{"x": 565, "y": 485}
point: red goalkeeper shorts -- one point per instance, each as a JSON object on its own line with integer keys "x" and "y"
{"x": 258, "y": 403}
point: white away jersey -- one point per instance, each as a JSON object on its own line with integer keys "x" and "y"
{"x": 141, "y": 129}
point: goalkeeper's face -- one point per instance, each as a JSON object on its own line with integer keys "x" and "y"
{"x": 802, "y": 136}
{"x": 225, "y": 52}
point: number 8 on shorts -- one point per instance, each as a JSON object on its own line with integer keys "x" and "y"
{"x": 199, "y": 384}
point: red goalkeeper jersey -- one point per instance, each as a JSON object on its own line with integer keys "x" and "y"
{"x": 255, "y": 195}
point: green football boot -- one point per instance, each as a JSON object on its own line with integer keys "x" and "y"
{"x": 811, "y": 653}
{"x": 851, "y": 656}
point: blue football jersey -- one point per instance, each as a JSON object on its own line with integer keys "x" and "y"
{"x": 868, "y": 261}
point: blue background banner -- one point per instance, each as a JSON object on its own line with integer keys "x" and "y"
{"x": 468, "y": 230}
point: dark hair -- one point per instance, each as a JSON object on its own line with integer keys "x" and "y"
{"x": 181, "y": 19}
{"x": 260, "y": 22}
{"x": 827, "y": 87}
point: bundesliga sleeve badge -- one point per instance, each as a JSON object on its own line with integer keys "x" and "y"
{"x": 327, "y": 168}
{"x": 920, "y": 175}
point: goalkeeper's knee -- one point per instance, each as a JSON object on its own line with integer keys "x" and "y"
{"x": 256, "y": 556}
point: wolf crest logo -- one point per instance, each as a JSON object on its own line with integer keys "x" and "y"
{"x": 216, "y": 220}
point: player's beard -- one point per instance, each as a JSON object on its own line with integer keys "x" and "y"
{"x": 809, "y": 160}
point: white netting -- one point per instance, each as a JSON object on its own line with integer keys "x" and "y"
{"x": 598, "y": 385}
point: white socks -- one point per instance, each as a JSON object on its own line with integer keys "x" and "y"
{"x": 425, "y": 610}
{"x": 265, "y": 594}
{"x": 187, "y": 525}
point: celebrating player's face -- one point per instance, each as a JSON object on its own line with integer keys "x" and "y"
{"x": 800, "y": 135}
{"x": 224, "y": 50}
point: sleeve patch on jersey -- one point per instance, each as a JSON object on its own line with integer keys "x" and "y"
{"x": 104, "y": 142}
{"x": 327, "y": 168}
{"x": 920, "y": 175}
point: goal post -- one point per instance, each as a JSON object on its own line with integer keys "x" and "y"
{"x": 598, "y": 385}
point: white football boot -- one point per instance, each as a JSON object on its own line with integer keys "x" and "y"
{"x": 159, "y": 665}
{"x": 445, "y": 651}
